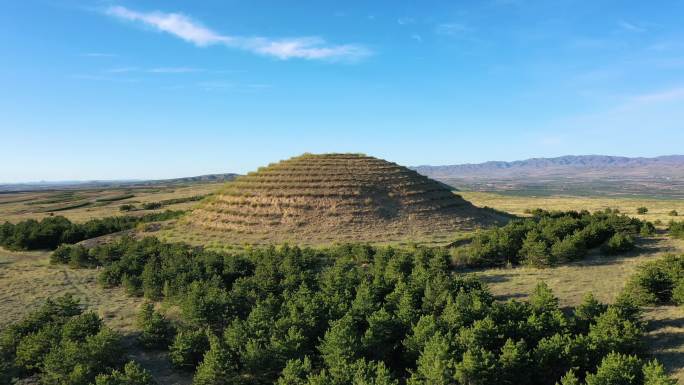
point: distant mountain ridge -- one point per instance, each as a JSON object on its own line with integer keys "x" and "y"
{"x": 579, "y": 166}
{"x": 36, "y": 186}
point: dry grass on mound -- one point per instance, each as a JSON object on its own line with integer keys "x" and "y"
{"x": 322, "y": 199}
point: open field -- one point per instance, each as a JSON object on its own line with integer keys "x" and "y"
{"x": 658, "y": 209}
{"x": 82, "y": 205}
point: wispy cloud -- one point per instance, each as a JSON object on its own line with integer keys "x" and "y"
{"x": 183, "y": 27}
{"x": 98, "y": 54}
{"x": 113, "y": 79}
{"x": 120, "y": 70}
{"x": 451, "y": 29}
{"x": 668, "y": 95}
{"x": 632, "y": 27}
{"x": 405, "y": 20}
{"x": 175, "y": 70}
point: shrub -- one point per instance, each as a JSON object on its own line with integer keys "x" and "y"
{"x": 133, "y": 374}
{"x": 676, "y": 229}
{"x": 571, "y": 248}
{"x": 647, "y": 229}
{"x": 127, "y": 207}
{"x": 59, "y": 345}
{"x": 155, "y": 330}
{"x": 617, "y": 369}
{"x": 188, "y": 348}
{"x": 535, "y": 251}
{"x": 151, "y": 205}
{"x": 657, "y": 282}
{"x": 61, "y": 254}
{"x": 673, "y": 213}
{"x": 642, "y": 210}
{"x": 678, "y": 292}
{"x": 618, "y": 243}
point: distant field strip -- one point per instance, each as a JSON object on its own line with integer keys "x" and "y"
{"x": 115, "y": 198}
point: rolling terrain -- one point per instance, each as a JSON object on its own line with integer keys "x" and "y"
{"x": 587, "y": 175}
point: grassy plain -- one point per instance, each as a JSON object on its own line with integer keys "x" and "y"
{"x": 82, "y": 205}
{"x": 658, "y": 209}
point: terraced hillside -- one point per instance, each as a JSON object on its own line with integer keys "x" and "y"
{"x": 314, "y": 199}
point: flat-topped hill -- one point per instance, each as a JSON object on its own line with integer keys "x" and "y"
{"x": 314, "y": 199}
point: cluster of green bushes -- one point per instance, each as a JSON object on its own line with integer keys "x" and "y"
{"x": 62, "y": 345}
{"x": 160, "y": 204}
{"x": 658, "y": 282}
{"x": 115, "y": 198}
{"x": 356, "y": 314}
{"x": 127, "y": 207}
{"x": 52, "y": 231}
{"x": 549, "y": 238}
{"x": 151, "y": 205}
{"x": 676, "y": 229}
{"x": 174, "y": 201}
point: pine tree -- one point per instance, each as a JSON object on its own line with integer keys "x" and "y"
{"x": 217, "y": 368}
{"x": 435, "y": 365}
{"x": 654, "y": 374}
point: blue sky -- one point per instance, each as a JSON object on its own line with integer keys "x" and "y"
{"x": 156, "y": 89}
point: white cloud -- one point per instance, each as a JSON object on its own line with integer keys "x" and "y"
{"x": 181, "y": 26}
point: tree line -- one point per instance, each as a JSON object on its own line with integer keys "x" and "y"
{"x": 53, "y": 231}
{"x": 355, "y": 314}
{"x": 549, "y": 238}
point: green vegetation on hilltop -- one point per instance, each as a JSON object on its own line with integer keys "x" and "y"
{"x": 53, "y": 231}
{"x": 365, "y": 315}
{"x": 550, "y": 238}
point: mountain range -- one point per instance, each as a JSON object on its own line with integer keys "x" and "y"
{"x": 579, "y": 166}
{"x": 661, "y": 176}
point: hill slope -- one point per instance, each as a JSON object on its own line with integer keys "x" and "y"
{"x": 330, "y": 198}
